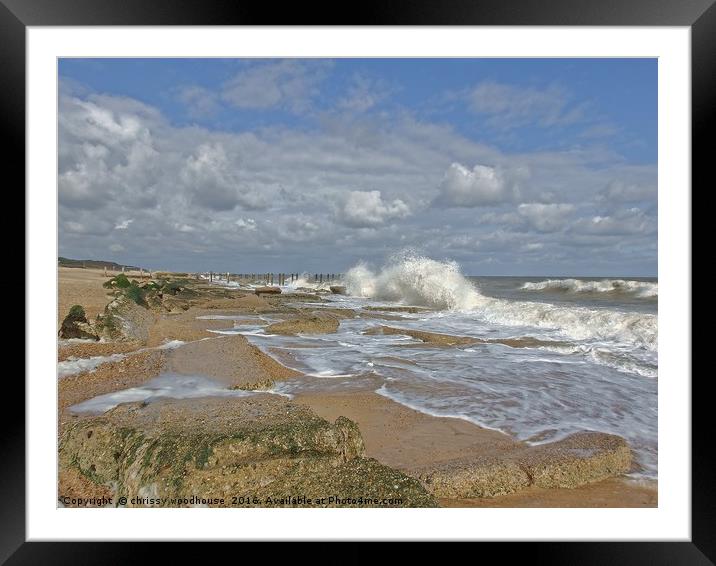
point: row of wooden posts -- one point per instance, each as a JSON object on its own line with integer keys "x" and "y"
{"x": 270, "y": 278}
{"x": 142, "y": 272}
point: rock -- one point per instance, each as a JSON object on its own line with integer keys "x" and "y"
{"x": 311, "y": 324}
{"x": 308, "y": 290}
{"x": 296, "y": 297}
{"x": 438, "y": 339}
{"x": 579, "y": 459}
{"x": 267, "y": 290}
{"x": 118, "y": 282}
{"x": 123, "y": 320}
{"x": 76, "y": 325}
{"x": 173, "y": 305}
{"x": 338, "y": 289}
{"x": 412, "y": 310}
{"x": 220, "y": 448}
{"x": 340, "y": 314}
{"x": 427, "y": 337}
{"x": 487, "y": 477}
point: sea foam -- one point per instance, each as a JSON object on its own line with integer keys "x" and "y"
{"x": 173, "y": 386}
{"x": 417, "y": 280}
{"x": 641, "y": 289}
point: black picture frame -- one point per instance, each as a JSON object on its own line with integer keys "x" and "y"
{"x": 17, "y": 15}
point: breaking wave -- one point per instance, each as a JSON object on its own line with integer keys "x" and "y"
{"x": 577, "y": 323}
{"x": 417, "y": 280}
{"x": 641, "y": 289}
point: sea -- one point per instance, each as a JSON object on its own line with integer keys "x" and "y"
{"x": 592, "y": 363}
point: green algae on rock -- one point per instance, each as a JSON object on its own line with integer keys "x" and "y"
{"x": 219, "y": 448}
{"x": 124, "y": 319}
{"x": 76, "y": 325}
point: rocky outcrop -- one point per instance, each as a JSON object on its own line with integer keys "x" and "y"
{"x": 580, "y": 458}
{"x": 338, "y": 289}
{"x": 487, "y": 477}
{"x": 174, "y": 306}
{"x": 437, "y": 339}
{"x": 76, "y": 325}
{"x": 411, "y": 310}
{"x": 221, "y": 448}
{"x": 577, "y": 460}
{"x": 427, "y": 337}
{"x": 124, "y": 320}
{"x": 307, "y": 324}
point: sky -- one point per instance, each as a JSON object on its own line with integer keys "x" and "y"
{"x": 507, "y": 166}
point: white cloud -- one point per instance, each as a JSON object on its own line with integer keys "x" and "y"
{"x": 124, "y": 224}
{"x": 479, "y": 186}
{"x": 200, "y": 102}
{"x": 623, "y": 222}
{"x": 288, "y": 84}
{"x": 211, "y": 177}
{"x": 503, "y": 219}
{"x": 363, "y": 94}
{"x": 106, "y": 153}
{"x": 511, "y": 106}
{"x": 187, "y": 190}
{"x": 248, "y": 224}
{"x": 545, "y": 217}
{"x": 532, "y": 246}
{"x": 116, "y": 248}
{"x": 366, "y": 209}
{"x": 298, "y": 228}
{"x": 619, "y": 191}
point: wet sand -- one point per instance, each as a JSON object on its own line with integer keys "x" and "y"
{"x": 185, "y": 327}
{"x": 131, "y": 371}
{"x": 409, "y": 440}
{"x": 230, "y": 360}
{"x": 402, "y": 437}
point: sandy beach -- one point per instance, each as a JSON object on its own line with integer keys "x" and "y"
{"x": 361, "y": 434}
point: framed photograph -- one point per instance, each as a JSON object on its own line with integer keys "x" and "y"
{"x": 421, "y": 276}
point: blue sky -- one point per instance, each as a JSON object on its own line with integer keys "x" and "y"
{"x": 509, "y": 166}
